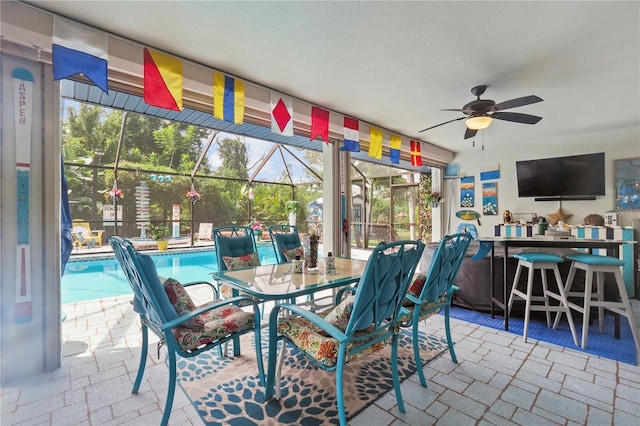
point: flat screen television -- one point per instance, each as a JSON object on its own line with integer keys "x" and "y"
{"x": 572, "y": 177}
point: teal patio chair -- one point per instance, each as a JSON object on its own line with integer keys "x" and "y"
{"x": 286, "y": 242}
{"x": 427, "y": 295}
{"x": 287, "y": 245}
{"x": 359, "y": 325}
{"x": 235, "y": 249}
{"x": 194, "y": 330}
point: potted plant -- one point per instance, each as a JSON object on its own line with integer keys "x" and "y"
{"x": 293, "y": 208}
{"x": 434, "y": 198}
{"x": 257, "y": 229}
{"x": 161, "y": 234}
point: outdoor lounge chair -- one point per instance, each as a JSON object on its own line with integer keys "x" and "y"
{"x": 84, "y": 235}
{"x": 428, "y": 294}
{"x": 205, "y": 231}
{"x": 359, "y": 325}
{"x": 167, "y": 310}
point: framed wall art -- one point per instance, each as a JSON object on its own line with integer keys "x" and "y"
{"x": 627, "y": 183}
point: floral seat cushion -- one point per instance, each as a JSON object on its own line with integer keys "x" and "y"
{"x": 182, "y": 303}
{"x": 291, "y": 254}
{"x": 313, "y": 340}
{"x": 416, "y": 286}
{"x": 217, "y": 323}
{"x": 425, "y": 311}
{"x": 241, "y": 262}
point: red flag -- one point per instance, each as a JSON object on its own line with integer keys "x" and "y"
{"x": 416, "y": 156}
{"x": 319, "y": 124}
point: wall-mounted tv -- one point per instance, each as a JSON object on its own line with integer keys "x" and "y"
{"x": 572, "y": 177}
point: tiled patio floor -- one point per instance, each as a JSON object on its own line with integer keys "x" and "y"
{"x": 499, "y": 380}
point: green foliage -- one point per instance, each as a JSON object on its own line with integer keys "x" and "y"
{"x": 292, "y": 206}
{"x": 159, "y": 232}
{"x": 233, "y": 152}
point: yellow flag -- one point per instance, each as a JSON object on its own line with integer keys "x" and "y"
{"x": 375, "y": 143}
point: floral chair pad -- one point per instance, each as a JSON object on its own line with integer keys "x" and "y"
{"x": 311, "y": 339}
{"x": 218, "y": 323}
{"x": 182, "y": 303}
{"x": 241, "y": 262}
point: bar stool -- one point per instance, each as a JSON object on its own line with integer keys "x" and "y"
{"x": 599, "y": 265}
{"x": 541, "y": 262}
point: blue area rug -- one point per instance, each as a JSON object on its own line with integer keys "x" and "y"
{"x": 604, "y": 345}
{"x": 226, "y": 391}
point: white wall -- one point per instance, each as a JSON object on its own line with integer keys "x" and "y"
{"x": 617, "y": 144}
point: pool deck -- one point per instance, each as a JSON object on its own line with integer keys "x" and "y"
{"x": 498, "y": 380}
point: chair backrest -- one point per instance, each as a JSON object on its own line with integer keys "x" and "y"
{"x": 77, "y": 223}
{"x": 384, "y": 284}
{"x": 233, "y": 241}
{"x": 81, "y": 232}
{"x": 205, "y": 231}
{"x": 445, "y": 265}
{"x": 284, "y": 237}
{"x": 151, "y": 300}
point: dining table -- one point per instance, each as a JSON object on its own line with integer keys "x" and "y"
{"x": 279, "y": 281}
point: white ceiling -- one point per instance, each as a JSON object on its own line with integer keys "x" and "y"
{"x": 396, "y": 64}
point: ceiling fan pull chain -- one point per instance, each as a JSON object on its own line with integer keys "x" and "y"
{"x": 483, "y": 140}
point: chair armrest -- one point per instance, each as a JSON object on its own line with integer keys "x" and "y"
{"x": 413, "y": 299}
{"x": 97, "y": 232}
{"x": 342, "y": 292}
{"x": 194, "y": 283}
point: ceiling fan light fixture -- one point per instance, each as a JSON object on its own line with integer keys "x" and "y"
{"x": 478, "y": 122}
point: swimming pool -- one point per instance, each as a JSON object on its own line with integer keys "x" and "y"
{"x": 98, "y": 278}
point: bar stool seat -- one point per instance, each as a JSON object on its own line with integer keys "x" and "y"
{"x": 541, "y": 262}
{"x": 599, "y": 265}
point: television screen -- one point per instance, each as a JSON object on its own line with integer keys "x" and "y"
{"x": 562, "y": 177}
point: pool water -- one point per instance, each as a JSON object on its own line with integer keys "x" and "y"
{"x": 99, "y": 278}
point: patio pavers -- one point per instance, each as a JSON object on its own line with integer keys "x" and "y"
{"x": 542, "y": 383}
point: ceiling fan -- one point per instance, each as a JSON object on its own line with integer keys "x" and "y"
{"x": 480, "y": 112}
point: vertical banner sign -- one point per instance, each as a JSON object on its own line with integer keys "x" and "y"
{"x": 142, "y": 208}
{"x": 23, "y": 110}
{"x": 176, "y": 220}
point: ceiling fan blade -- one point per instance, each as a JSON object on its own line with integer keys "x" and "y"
{"x": 466, "y": 111}
{"x": 516, "y": 117}
{"x": 469, "y": 133}
{"x": 517, "y": 102}
{"x": 442, "y": 124}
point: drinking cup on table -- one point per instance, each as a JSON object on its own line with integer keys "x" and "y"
{"x": 297, "y": 265}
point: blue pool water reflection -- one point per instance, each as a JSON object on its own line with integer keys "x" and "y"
{"x": 99, "y": 278}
